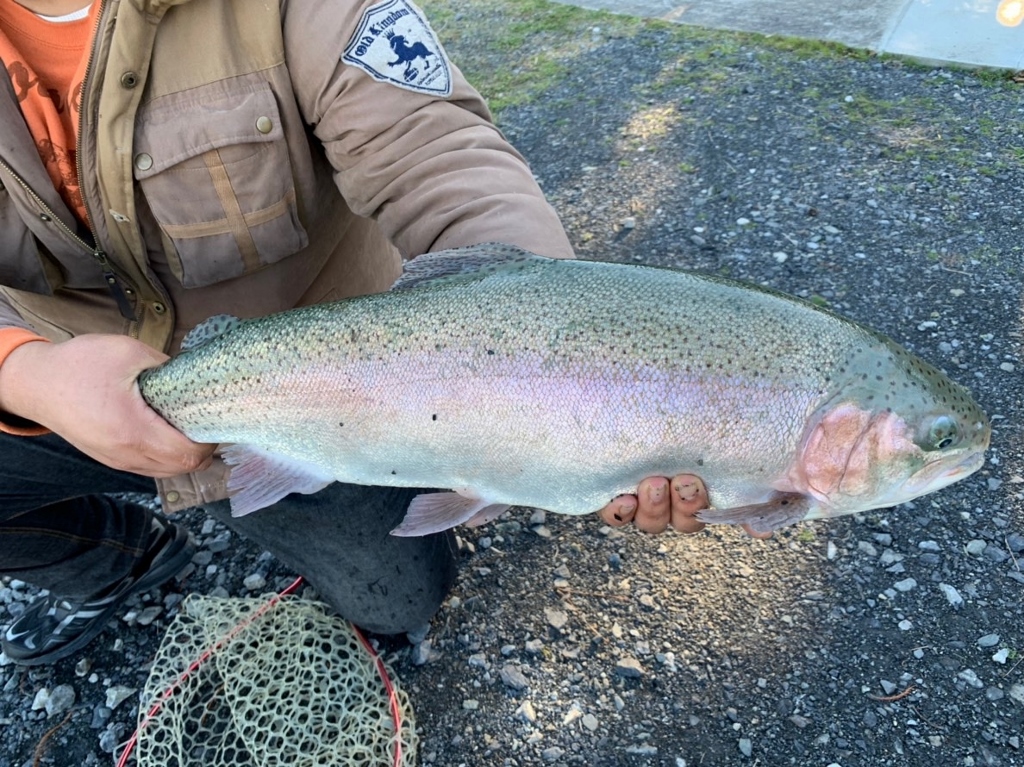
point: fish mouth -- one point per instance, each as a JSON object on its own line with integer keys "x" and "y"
{"x": 939, "y": 474}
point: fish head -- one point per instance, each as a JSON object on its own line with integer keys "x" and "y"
{"x": 888, "y": 436}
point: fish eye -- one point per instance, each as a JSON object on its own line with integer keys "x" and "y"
{"x": 942, "y": 433}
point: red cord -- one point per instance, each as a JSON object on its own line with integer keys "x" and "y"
{"x": 396, "y": 712}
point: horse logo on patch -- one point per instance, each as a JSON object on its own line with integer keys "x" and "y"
{"x": 394, "y": 44}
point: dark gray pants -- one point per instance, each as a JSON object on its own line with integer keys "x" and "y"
{"x": 60, "y": 530}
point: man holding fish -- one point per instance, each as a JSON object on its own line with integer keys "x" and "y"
{"x": 196, "y": 158}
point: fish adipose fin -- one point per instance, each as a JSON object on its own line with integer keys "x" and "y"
{"x": 259, "y": 478}
{"x": 434, "y": 512}
{"x": 473, "y": 262}
{"x": 781, "y": 510}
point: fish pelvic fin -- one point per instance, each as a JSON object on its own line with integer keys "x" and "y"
{"x": 469, "y": 263}
{"x": 260, "y": 478}
{"x": 433, "y": 512}
{"x": 780, "y": 510}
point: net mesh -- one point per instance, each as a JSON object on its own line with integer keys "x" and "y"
{"x": 293, "y": 687}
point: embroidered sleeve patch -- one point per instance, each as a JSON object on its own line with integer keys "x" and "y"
{"x": 394, "y": 44}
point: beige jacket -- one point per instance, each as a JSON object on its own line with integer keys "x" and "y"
{"x": 232, "y": 162}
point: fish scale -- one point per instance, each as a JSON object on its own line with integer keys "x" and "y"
{"x": 516, "y": 379}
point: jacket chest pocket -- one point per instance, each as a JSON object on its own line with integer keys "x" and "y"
{"x": 213, "y": 166}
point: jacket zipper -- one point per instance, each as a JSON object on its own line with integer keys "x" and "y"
{"x": 117, "y": 290}
{"x": 124, "y": 304}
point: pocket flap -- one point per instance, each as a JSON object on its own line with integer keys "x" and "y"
{"x": 180, "y": 126}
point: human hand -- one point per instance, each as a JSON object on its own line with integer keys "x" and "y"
{"x": 660, "y": 503}
{"x": 85, "y": 390}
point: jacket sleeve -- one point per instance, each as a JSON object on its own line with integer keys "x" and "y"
{"x": 432, "y": 170}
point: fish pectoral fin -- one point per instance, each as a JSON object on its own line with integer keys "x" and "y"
{"x": 433, "y": 512}
{"x": 781, "y": 510}
{"x": 260, "y": 478}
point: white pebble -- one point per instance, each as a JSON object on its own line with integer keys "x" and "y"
{"x": 118, "y": 695}
{"x": 951, "y": 594}
{"x": 968, "y": 675}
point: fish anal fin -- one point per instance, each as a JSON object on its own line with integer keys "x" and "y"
{"x": 487, "y": 514}
{"x": 469, "y": 263}
{"x": 779, "y": 511}
{"x": 260, "y": 478}
{"x": 433, "y": 512}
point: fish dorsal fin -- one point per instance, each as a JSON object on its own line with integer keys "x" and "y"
{"x": 473, "y": 262}
{"x": 207, "y": 330}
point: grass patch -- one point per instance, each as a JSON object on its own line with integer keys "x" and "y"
{"x": 514, "y": 50}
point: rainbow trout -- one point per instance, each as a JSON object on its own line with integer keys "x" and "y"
{"x": 519, "y": 380}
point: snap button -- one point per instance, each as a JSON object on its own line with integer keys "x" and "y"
{"x": 264, "y": 124}
{"x": 159, "y": 308}
{"x": 143, "y": 161}
{"x": 174, "y": 496}
{"x": 129, "y": 80}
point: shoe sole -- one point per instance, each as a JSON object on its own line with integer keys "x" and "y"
{"x": 165, "y": 567}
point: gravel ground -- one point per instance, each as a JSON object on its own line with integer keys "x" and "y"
{"x": 887, "y": 191}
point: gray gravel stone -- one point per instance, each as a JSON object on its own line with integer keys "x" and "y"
{"x": 556, "y": 618}
{"x": 905, "y": 585}
{"x": 968, "y": 675}
{"x": 976, "y": 547}
{"x": 629, "y": 668}
{"x": 513, "y": 678}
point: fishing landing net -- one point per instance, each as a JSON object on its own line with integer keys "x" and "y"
{"x": 286, "y": 684}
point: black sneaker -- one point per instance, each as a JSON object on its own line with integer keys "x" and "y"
{"x": 52, "y": 628}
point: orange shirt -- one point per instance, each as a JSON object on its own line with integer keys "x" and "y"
{"x": 46, "y": 62}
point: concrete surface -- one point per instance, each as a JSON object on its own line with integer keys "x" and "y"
{"x": 986, "y": 33}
